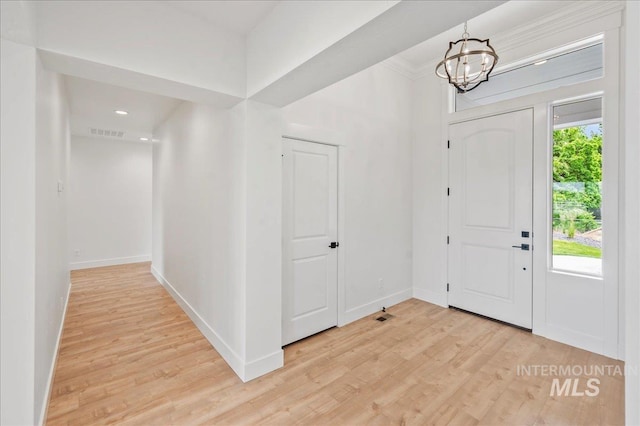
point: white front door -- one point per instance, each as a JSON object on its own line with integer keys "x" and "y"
{"x": 490, "y": 212}
{"x": 310, "y": 226}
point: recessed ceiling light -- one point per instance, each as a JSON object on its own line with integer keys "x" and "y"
{"x": 121, "y": 112}
{"x": 542, "y": 62}
{"x": 144, "y": 139}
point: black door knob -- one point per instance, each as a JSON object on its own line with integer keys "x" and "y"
{"x": 522, "y": 247}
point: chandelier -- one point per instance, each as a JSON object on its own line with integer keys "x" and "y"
{"x": 467, "y": 63}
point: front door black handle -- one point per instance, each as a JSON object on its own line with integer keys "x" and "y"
{"x": 334, "y": 244}
{"x": 522, "y": 247}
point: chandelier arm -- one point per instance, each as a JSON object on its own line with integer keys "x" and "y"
{"x": 465, "y": 58}
{"x": 468, "y": 77}
{"x": 479, "y": 74}
{"x": 472, "y": 52}
{"x": 440, "y": 64}
{"x": 456, "y": 74}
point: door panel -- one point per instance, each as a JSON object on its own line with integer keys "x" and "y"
{"x": 488, "y": 164}
{"x": 490, "y": 205}
{"x": 310, "y": 193}
{"x": 483, "y": 272}
{"x": 310, "y": 223}
{"x": 310, "y": 290}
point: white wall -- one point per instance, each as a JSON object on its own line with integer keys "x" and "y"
{"x": 52, "y": 264}
{"x": 429, "y": 209}
{"x": 197, "y": 235}
{"x": 263, "y": 233}
{"x": 18, "y": 222}
{"x": 631, "y": 266}
{"x": 35, "y": 277}
{"x": 216, "y": 174}
{"x": 109, "y": 202}
{"x": 372, "y": 113}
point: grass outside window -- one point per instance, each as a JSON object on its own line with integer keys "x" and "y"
{"x": 569, "y": 248}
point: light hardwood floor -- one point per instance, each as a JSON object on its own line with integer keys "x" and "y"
{"x": 130, "y": 355}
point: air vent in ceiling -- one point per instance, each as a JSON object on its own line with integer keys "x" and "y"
{"x": 107, "y": 133}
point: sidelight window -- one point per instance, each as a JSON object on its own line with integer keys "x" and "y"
{"x": 577, "y": 187}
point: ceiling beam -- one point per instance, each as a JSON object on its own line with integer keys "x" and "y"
{"x": 398, "y": 28}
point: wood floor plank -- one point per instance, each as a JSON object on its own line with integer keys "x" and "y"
{"x": 130, "y": 355}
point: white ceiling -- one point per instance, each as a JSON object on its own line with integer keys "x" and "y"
{"x": 501, "y": 19}
{"x": 92, "y": 105}
{"x": 237, "y": 16}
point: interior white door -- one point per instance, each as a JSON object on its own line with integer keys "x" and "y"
{"x": 490, "y": 216}
{"x": 310, "y": 226}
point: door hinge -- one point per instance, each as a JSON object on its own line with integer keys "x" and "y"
{"x": 447, "y": 239}
{"x": 448, "y": 144}
{"x": 447, "y": 287}
{"x": 448, "y": 192}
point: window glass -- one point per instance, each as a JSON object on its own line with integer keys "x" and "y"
{"x": 577, "y": 187}
{"x": 557, "y": 71}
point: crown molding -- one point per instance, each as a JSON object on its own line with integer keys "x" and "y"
{"x": 574, "y": 15}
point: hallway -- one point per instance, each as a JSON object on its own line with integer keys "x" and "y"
{"x": 130, "y": 355}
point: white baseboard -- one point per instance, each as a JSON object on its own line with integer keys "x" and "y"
{"x": 573, "y": 338}
{"x": 236, "y": 363}
{"x": 264, "y": 365}
{"x": 109, "y": 262}
{"x": 47, "y": 393}
{"x": 362, "y": 311}
{"x": 439, "y": 299}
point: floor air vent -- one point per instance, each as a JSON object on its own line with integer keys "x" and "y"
{"x": 384, "y": 317}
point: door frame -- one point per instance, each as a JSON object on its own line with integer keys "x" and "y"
{"x": 606, "y": 87}
{"x": 324, "y": 136}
